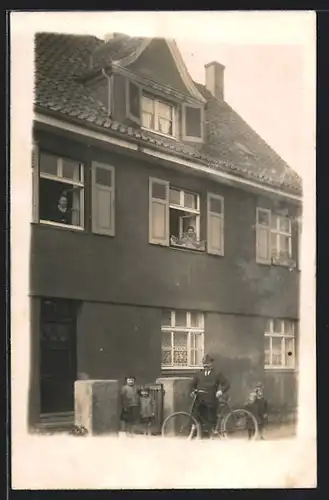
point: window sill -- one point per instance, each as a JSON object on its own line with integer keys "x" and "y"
{"x": 58, "y": 225}
{"x": 279, "y": 369}
{"x": 183, "y": 247}
{"x": 281, "y": 264}
{"x": 180, "y": 368}
{"x": 160, "y": 134}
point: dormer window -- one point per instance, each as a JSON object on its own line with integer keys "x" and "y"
{"x": 158, "y": 116}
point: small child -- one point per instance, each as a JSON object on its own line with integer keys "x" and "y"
{"x": 130, "y": 405}
{"x": 147, "y": 411}
{"x": 257, "y": 404}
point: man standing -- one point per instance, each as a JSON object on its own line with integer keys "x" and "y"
{"x": 214, "y": 386}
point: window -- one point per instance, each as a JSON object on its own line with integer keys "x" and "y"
{"x": 273, "y": 238}
{"x": 60, "y": 187}
{"x": 280, "y": 344}
{"x": 182, "y": 339}
{"x": 192, "y": 123}
{"x": 158, "y": 116}
{"x": 184, "y": 219}
{"x": 103, "y": 199}
{"x": 174, "y": 218}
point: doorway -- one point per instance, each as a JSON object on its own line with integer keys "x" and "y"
{"x": 58, "y": 355}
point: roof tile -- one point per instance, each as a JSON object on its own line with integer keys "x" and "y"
{"x": 62, "y": 59}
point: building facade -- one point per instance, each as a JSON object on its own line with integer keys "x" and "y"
{"x": 163, "y": 227}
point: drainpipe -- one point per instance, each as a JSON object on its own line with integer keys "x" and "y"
{"x": 109, "y": 89}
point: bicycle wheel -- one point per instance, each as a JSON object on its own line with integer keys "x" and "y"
{"x": 240, "y": 424}
{"x": 181, "y": 424}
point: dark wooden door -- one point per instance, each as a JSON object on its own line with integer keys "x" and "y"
{"x": 58, "y": 347}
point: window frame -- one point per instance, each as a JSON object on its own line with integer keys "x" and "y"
{"x": 278, "y": 232}
{"x": 157, "y": 101}
{"x": 183, "y": 208}
{"x": 38, "y": 175}
{"x": 190, "y": 330}
{"x": 271, "y": 258}
{"x": 283, "y": 335}
{"x": 192, "y": 138}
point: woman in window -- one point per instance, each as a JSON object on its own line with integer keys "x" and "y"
{"x": 62, "y": 212}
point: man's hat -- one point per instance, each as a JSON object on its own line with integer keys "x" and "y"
{"x": 207, "y": 359}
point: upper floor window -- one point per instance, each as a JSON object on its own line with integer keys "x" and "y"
{"x": 184, "y": 219}
{"x": 182, "y": 339}
{"x": 280, "y": 344}
{"x": 60, "y": 191}
{"x": 158, "y": 116}
{"x": 175, "y": 215}
{"x": 59, "y": 188}
{"x": 180, "y": 119}
{"x": 273, "y": 238}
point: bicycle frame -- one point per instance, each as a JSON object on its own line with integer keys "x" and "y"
{"x": 225, "y": 410}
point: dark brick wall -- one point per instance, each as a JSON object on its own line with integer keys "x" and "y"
{"x": 127, "y": 269}
{"x": 104, "y": 272}
{"x": 115, "y": 341}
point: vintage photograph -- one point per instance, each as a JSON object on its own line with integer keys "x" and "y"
{"x": 164, "y": 206}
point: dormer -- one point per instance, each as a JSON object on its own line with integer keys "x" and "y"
{"x": 145, "y": 83}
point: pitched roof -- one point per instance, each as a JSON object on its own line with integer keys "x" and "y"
{"x": 231, "y": 144}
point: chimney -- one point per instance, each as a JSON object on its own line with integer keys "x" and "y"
{"x": 215, "y": 79}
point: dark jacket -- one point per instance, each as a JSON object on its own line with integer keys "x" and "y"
{"x": 62, "y": 217}
{"x": 211, "y": 384}
{"x": 129, "y": 396}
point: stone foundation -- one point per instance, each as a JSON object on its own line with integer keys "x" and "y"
{"x": 177, "y": 394}
{"x": 97, "y": 406}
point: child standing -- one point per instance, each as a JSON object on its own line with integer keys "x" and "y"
{"x": 147, "y": 410}
{"x": 257, "y": 404}
{"x": 129, "y": 405}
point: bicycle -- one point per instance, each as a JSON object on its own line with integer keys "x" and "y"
{"x": 228, "y": 423}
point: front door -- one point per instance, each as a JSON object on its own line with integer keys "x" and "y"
{"x": 58, "y": 348}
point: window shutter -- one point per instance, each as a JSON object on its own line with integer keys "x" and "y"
{"x": 263, "y": 236}
{"x": 133, "y": 97}
{"x": 35, "y": 182}
{"x": 158, "y": 212}
{"x": 103, "y": 199}
{"x": 299, "y": 245}
{"x": 215, "y": 224}
{"x": 192, "y": 123}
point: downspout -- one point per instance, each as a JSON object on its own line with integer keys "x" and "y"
{"x": 109, "y": 90}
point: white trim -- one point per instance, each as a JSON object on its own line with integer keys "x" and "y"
{"x": 220, "y": 218}
{"x": 183, "y": 71}
{"x": 159, "y": 133}
{"x": 177, "y": 57}
{"x": 216, "y": 173}
{"x": 58, "y": 224}
{"x": 76, "y": 129}
{"x": 191, "y": 138}
{"x": 63, "y": 180}
{"x": 156, "y": 115}
{"x": 55, "y": 122}
{"x": 185, "y": 368}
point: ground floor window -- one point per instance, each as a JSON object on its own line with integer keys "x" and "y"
{"x": 182, "y": 339}
{"x": 58, "y": 365}
{"x": 280, "y": 344}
